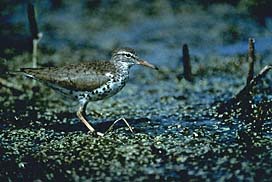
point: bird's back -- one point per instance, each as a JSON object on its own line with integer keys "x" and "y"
{"x": 77, "y": 77}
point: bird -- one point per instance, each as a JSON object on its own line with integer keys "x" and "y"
{"x": 90, "y": 81}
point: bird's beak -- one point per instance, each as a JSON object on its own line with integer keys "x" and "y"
{"x": 147, "y": 64}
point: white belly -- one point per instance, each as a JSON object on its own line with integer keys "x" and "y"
{"x": 107, "y": 90}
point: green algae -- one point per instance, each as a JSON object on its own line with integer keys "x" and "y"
{"x": 179, "y": 135}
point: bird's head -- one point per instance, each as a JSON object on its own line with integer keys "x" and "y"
{"x": 127, "y": 56}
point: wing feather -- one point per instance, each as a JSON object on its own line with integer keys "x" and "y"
{"x": 81, "y": 77}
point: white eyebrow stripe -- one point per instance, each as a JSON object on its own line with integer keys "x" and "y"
{"x": 125, "y": 52}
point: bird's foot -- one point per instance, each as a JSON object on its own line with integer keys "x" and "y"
{"x": 96, "y": 133}
{"x": 99, "y": 134}
{"x": 116, "y": 121}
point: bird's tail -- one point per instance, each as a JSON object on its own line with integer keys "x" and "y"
{"x": 28, "y": 72}
{"x": 22, "y": 72}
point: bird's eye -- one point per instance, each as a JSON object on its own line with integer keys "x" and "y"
{"x": 128, "y": 55}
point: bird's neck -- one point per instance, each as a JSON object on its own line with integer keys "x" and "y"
{"x": 123, "y": 69}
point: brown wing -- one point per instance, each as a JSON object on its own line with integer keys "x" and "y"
{"x": 84, "y": 77}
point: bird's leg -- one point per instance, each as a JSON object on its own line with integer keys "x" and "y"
{"x": 80, "y": 114}
{"x": 116, "y": 121}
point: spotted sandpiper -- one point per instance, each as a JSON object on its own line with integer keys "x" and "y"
{"x": 90, "y": 81}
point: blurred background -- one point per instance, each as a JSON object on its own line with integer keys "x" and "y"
{"x": 157, "y": 27}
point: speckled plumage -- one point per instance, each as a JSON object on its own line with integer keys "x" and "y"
{"x": 86, "y": 81}
{"x": 90, "y": 81}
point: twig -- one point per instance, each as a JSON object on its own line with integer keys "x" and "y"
{"x": 32, "y": 21}
{"x": 35, "y": 52}
{"x": 245, "y": 91}
{"x": 251, "y": 59}
{"x": 186, "y": 63}
{"x": 244, "y": 98}
{"x": 258, "y": 77}
{"x": 36, "y": 35}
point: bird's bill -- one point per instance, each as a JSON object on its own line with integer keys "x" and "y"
{"x": 147, "y": 64}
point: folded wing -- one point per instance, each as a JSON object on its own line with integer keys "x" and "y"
{"x": 81, "y": 77}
